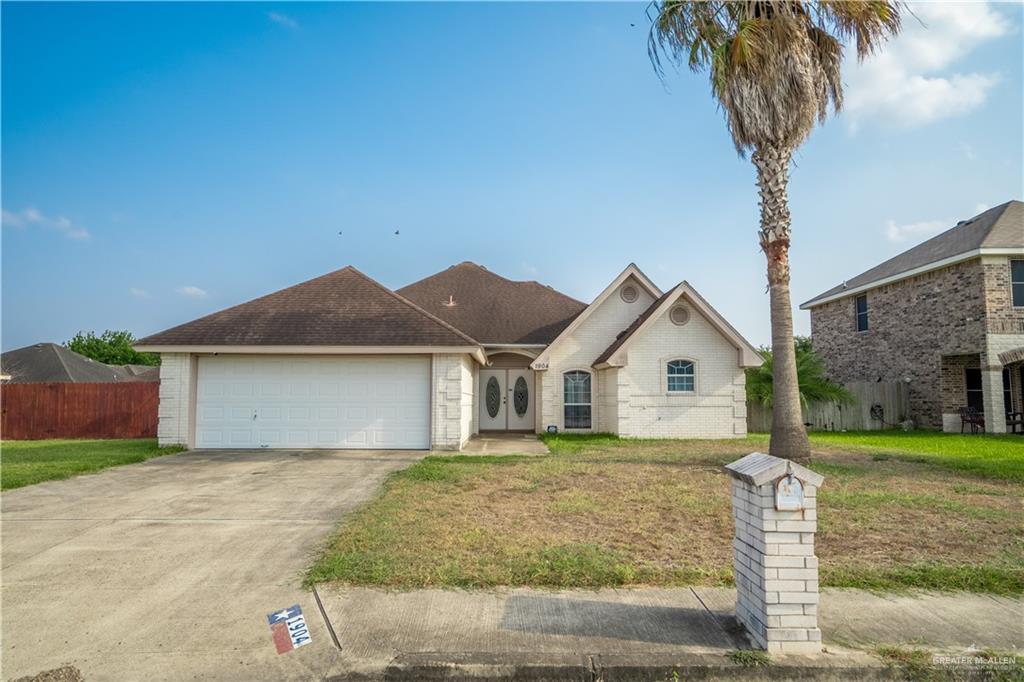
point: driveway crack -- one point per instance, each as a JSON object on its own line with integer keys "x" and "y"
{"x": 327, "y": 621}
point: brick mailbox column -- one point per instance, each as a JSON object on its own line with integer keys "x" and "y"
{"x": 774, "y": 506}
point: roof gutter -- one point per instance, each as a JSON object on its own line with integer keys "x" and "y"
{"x": 920, "y": 270}
{"x": 476, "y": 351}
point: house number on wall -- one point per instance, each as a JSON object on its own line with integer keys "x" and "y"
{"x": 789, "y": 494}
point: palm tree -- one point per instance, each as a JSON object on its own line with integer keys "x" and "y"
{"x": 775, "y": 68}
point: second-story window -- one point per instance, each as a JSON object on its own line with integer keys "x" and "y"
{"x": 1017, "y": 282}
{"x": 861, "y": 306}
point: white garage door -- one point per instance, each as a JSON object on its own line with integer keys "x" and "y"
{"x": 313, "y": 402}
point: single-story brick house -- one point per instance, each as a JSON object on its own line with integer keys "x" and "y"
{"x": 341, "y": 361}
{"x": 946, "y": 316}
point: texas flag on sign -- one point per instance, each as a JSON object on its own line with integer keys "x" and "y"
{"x": 288, "y": 626}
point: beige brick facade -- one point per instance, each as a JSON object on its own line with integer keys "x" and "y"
{"x": 177, "y": 388}
{"x": 579, "y": 351}
{"x": 451, "y": 407}
{"x": 634, "y": 400}
{"x": 716, "y": 409}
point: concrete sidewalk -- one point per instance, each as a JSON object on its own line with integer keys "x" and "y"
{"x": 636, "y": 633}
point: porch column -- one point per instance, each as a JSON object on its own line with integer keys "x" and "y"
{"x": 992, "y": 395}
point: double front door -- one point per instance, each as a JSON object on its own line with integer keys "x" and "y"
{"x": 506, "y": 400}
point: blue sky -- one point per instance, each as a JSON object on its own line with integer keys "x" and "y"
{"x": 161, "y": 162}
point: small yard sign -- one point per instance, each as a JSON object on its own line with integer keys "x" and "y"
{"x": 288, "y": 626}
{"x": 789, "y": 494}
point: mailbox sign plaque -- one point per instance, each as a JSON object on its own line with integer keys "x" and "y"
{"x": 789, "y": 494}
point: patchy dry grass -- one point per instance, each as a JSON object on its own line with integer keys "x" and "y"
{"x": 603, "y": 511}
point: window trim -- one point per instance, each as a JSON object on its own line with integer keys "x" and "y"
{"x": 1009, "y": 266}
{"x": 857, "y": 314}
{"x": 590, "y": 375}
{"x": 665, "y": 364}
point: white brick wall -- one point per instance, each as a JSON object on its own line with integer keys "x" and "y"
{"x": 579, "y": 351}
{"x": 177, "y": 382}
{"x": 474, "y": 407}
{"x": 608, "y": 389}
{"x": 467, "y": 389}
{"x": 717, "y": 409}
{"x": 451, "y": 415}
{"x": 776, "y": 570}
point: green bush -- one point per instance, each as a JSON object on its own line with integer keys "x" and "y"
{"x": 111, "y": 348}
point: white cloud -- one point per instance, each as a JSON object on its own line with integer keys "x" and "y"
{"x": 138, "y": 293}
{"x": 283, "y": 20}
{"x": 914, "y": 231}
{"x": 31, "y": 217}
{"x": 530, "y": 269}
{"x": 981, "y": 208}
{"x": 912, "y": 81}
{"x": 192, "y": 292}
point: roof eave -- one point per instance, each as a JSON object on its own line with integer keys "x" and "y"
{"x": 821, "y": 299}
{"x": 209, "y": 349}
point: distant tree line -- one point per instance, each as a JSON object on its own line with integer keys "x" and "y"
{"x": 111, "y": 348}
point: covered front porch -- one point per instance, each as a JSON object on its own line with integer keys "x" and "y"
{"x": 976, "y": 386}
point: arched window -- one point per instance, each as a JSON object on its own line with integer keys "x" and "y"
{"x": 681, "y": 376}
{"x": 577, "y": 399}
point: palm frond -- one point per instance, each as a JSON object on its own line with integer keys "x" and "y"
{"x": 774, "y": 65}
{"x": 815, "y": 387}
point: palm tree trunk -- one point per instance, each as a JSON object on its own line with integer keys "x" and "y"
{"x": 789, "y": 437}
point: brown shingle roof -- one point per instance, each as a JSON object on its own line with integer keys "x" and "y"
{"x": 999, "y": 227}
{"x": 51, "y": 363}
{"x": 628, "y": 332}
{"x": 493, "y": 309}
{"x": 342, "y": 308}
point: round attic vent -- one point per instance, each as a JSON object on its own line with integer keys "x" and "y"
{"x": 679, "y": 315}
{"x": 629, "y": 293}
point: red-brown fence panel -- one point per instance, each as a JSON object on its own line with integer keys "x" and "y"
{"x": 37, "y": 411}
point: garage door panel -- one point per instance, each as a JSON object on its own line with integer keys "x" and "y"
{"x": 334, "y": 402}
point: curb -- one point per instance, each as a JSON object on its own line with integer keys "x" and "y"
{"x": 538, "y": 667}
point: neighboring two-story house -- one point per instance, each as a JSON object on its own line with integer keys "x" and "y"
{"x": 946, "y": 316}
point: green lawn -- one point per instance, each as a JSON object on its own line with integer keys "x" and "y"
{"x": 993, "y": 456}
{"x": 896, "y": 511}
{"x": 25, "y": 462}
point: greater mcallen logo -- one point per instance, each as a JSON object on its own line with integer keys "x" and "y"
{"x": 288, "y": 626}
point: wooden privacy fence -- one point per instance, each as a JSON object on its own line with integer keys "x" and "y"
{"x": 65, "y": 410}
{"x": 891, "y": 396}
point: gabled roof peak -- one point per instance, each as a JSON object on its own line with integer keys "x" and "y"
{"x": 748, "y": 355}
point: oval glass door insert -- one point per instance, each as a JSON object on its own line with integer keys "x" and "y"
{"x": 521, "y": 397}
{"x": 493, "y": 397}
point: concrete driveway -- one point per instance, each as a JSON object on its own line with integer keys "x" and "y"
{"x": 167, "y": 569}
